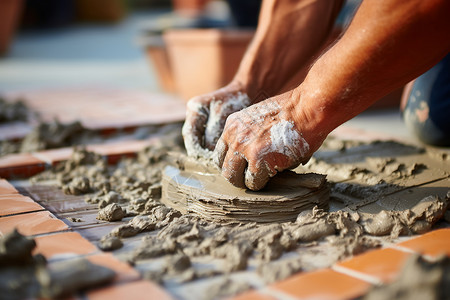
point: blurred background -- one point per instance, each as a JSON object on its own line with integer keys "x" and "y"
{"x": 187, "y": 47}
{"x": 180, "y": 48}
{"x": 147, "y": 44}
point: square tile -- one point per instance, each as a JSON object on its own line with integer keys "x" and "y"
{"x": 32, "y": 223}
{"x": 323, "y": 284}
{"x": 433, "y": 243}
{"x": 384, "y": 264}
{"x": 7, "y": 188}
{"x": 100, "y": 108}
{"x": 121, "y": 147}
{"x": 63, "y": 244}
{"x": 16, "y": 203}
{"x": 54, "y": 156}
{"x": 124, "y": 271}
{"x": 21, "y": 165}
{"x": 133, "y": 290}
{"x": 253, "y": 295}
{"x": 115, "y": 151}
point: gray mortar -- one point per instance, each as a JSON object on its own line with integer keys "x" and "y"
{"x": 111, "y": 213}
{"x": 13, "y": 111}
{"x": 24, "y": 276}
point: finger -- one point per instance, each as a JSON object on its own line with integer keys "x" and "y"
{"x": 219, "y": 153}
{"x": 305, "y": 160}
{"x": 233, "y": 168}
{"x": 257, "y": 175}
{"x": 214, "y": 125}
{"x": 194, "y": 126}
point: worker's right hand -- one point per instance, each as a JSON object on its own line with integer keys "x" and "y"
{"x": 206, "y": 116}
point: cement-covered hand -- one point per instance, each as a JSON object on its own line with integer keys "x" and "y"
{"x": 206, "y": 116}
{"x": 260, "y": 141}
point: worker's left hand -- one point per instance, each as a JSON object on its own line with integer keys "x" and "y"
{"x": 261, "y": 140}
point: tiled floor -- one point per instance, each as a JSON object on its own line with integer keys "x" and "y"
{"x": 24, "y": 165}
{"x": 55, "y": 240}
{"x": 103, "y": 108}
{"x": 344, "y": 280}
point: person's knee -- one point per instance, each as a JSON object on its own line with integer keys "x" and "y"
{"x": 427, "y": 109}
{"x": 426, "y": 126}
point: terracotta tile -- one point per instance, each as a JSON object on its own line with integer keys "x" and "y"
{"x": 252, "y": 295}
{"x": 7, "y": 188}
{"x": 384, "y": 264}
{"x": 63, "y": 244}
{"x": 118, "y": 150}
{"x": 18, "y": 160}
{"x": 434, "y": 243}
{"x": 121, "y": 147}
{"x": 16, "y": 203}
{"x": 99, "y": 108}
{"x": 20, "y": 165}
{"x": 54, "y": 156}
{"x": 124, "y": 271}
{"x": 134, "y": 290}
{"x": 323, "y": 284}
{"x": 32, "y": 223}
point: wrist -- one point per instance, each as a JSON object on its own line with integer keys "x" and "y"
{"x": 311, "y": 119}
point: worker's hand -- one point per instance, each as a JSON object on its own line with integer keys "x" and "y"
{"x": 263, "y": 139}
{"x": 206, "y": 116}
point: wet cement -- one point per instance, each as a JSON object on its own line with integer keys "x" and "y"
{"x": 27, "y": 276}
{"x": 197, "y": 187}
{"x": 55, "y": 134}
{"x": 419, "y": 279}
{"x": 181, "y": 249}
{"x": 13, "y": 111}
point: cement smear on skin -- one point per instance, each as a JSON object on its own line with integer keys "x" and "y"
{"x": 219, "y": 111}
{"x": 286, "y": 140}
{"x": 178, "y": 240}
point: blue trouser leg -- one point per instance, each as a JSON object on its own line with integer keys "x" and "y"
{"x": 427, "y": 112}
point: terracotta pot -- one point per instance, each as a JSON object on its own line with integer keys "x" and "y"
{"x": 204, "y": 60}
{"x": 189, "y": 7}
{"x": 101, "y": 10}
{"x": 157, "y": 56}
{"x": 10, "y": 11}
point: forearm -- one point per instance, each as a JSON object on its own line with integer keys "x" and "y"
{"x": 289, "y": 33}
{"x": 388, "y": 43}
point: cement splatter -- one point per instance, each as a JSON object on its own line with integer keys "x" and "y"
{"x": 27, "y": 276}
{"x": 419, "y": 279}
{"x": 180, "y": 239}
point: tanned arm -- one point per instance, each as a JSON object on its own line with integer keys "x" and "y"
{"x": 388, "y": 43}
{"x": 289, "y": 34}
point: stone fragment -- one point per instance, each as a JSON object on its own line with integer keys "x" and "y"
{"x": 111, "y": 213}
{"x": 110, "y": 243}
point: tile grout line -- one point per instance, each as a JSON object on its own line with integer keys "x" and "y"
{"x": 402, "y": 249}
{"x": 25, "y": 212}
{"x": 356, "y": 274}
{"x": 279, "y": 295}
